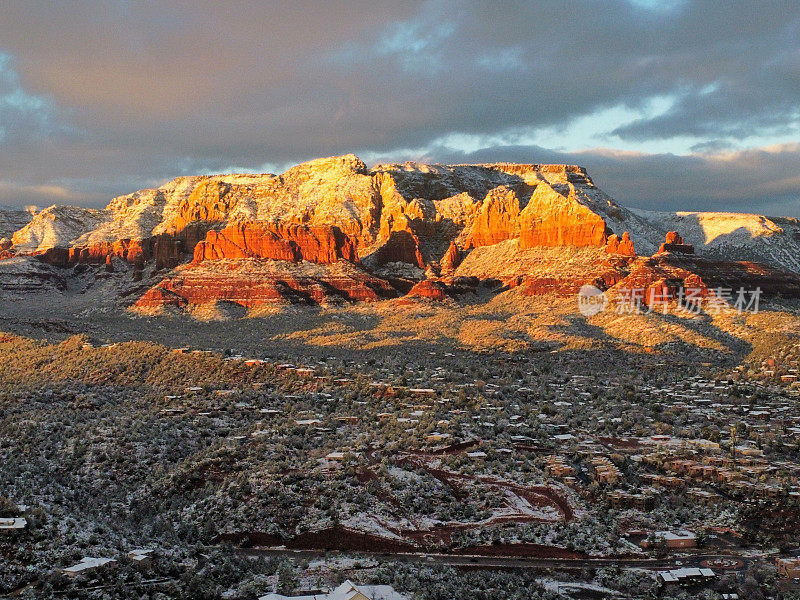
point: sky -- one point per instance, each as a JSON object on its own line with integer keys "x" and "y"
{"x": 670, "y": 104}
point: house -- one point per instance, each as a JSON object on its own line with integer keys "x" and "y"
{"x": 621, "y": 499}
{"x": 605, "y": 470}
{"x": 673, "y": 539}
{"x": 558, "y": 467}
{"x": 788, "y": 567}
{"x": 12, "y": 524}
{"x": 422, "y": 391}
{"x": 347, "y": 591}
{"x": 686, "y": 575}
{"x": 89, "y": 564}
{"x": 141, "y": 557}
{"x": 339, "y": 455}
{"x": 679, "y": 539}
{"x": 703, "y": 496}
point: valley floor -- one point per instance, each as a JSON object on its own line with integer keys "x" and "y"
{"x": 455, "y": 437}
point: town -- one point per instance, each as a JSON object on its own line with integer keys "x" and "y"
{"x": 641, "y": 478}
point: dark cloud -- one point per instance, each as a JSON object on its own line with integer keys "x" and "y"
{"x": 136, "y": 93}
{"x": 24, "y": 118}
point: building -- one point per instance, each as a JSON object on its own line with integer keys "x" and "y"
{"x": 141, "y": 557}
{"x": 89, "y": 564}
{"x": 477, "y": 454}
{"x": 672, "y": 539}
{"x": 558, "y": 467}
{"x": 10, "y": 524}
{"x": 685, "y": 575}
{"x": 679, "y": 539}
{"x": 347, "y": 591}
{"x": 788, "y": 567}
{"x": 605, "y": 470}
{"x": 622, "y": 499}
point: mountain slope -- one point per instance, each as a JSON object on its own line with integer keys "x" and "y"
{"x": 771, "y": 240}
{"x": 333, "y": 228}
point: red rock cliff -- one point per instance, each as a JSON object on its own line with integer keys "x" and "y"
{"x": 253, "y": 239}
{"x": 497, "y": 220}
{"x": 553, "y": 217}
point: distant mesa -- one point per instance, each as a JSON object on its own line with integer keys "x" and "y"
{"x": 332, "y": 230}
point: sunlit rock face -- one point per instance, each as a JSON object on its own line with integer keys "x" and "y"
{"x": 277, "y": 241}
{"x": 254, "y": 283}
{"x": 474, "y": 205}
{"x": 497, "y": 220}
{"x": 393, "y": 223}
{"x": 451, "y": 259}
{"x": 620, "y": 245}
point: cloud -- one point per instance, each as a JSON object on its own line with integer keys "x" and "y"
{"x": 24, "y": 118}
{"x": 138, "y": 93}
{"x": 13, "y": 194}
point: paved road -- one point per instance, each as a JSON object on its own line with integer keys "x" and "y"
{"x": 656, "y": 564}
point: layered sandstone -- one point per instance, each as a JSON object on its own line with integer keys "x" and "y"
{"x": 432, "y": 204}
{"x": 252, "y": 283}
{"x": 278, "y": 241}
{"x": 164, "y": 250}
{"x": 555, "y": 217}
{"x": 22, "y": 275}
{"x": 497, "y": 220}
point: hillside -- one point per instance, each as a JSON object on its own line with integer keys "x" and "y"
{"x": 772, "y": 240}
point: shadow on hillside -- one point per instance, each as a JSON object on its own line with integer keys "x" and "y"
{"x": 580, "y": 327}
{"x": 736, "y": 346}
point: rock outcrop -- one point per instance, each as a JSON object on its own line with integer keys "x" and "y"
{"x": 430, "y": 289}
{"x": 675, "y": 243}
{"x": 555, "y": 217}
{"x": 664, "y": 277}
{"x": 386, "y": 206}
{"x": 401, "y": 246}
{"x": 440, "y": 289}
{"x": 622, "y": 246}
{"x": 253, "y": 283}
{"x": 497, "y": 220}
{"x": 451, "y": 259}
{"x": 774, "y": 241}
{"x": 23, "y": 275}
